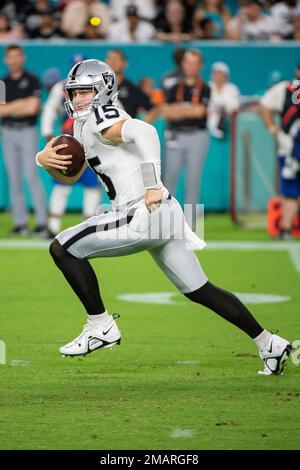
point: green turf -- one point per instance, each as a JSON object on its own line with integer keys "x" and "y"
{"x": 136, "y": 396}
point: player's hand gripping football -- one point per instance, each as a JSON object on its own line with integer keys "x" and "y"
{"x": 153, "y": 199}
{"x": 50, "y": 158}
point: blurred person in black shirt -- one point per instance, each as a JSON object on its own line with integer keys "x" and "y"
{"x": 40, "y": 19}
{"x": 20, "y": 140}
{"x": 131, "y": 98}
{"x": 172, "y": 77}
{"x": 7, "y": 32}
{"x": 173, "y": 27}
{"x": 48, "y": 27}
{"x": 186, "y": 135}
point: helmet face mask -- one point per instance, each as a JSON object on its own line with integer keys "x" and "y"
{"x": 80, "y": 109}
{"x": 94, "y": 75}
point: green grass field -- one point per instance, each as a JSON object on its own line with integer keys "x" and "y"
{"x": 182, "y": 378}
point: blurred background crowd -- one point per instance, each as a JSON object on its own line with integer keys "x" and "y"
{"x": 150, "y": 20}
{"x": 212, "y": 102}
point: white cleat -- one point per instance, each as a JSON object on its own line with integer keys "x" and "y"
{"x": 104, "y": 336}
{"x": 275, "y": 355}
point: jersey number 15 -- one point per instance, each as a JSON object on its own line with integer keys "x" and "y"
{"x": 110, "y": 112}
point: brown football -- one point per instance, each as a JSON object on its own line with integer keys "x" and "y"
{"x": 75, "y": 149}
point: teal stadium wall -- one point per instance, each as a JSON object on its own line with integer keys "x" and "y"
{"x": 250, "y": 65}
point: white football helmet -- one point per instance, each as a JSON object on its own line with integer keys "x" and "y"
{"x": 90, "y": 74}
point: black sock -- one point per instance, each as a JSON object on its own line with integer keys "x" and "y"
{"x": 228, "y": 306}
{"x": 81, "y": 277}
{"x": 285, "y": 231}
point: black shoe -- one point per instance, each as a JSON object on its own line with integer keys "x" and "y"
{"x": 50, "y": 235}
{"x": 21, "y": 231}
{"x": 285, "y": 234}
{"x": 41, "y": 231}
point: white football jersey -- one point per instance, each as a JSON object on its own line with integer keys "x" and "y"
{"x": 118, "y": 166}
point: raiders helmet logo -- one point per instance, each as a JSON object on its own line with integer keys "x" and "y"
{"x": 109, "y": 79}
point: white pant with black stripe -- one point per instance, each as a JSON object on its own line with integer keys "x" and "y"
{"x": 120, "y": 233}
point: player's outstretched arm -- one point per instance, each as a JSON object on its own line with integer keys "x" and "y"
{"x": 268, "y": 118}
{"x": 146, "y": 139}
{"x": 49, "y": 159}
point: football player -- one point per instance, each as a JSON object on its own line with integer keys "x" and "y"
{"x": 125, "y": 154}
{"x": 53, "y": 108}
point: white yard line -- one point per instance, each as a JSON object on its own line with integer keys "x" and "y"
{"x": 24, "y": 244}
{"x": 293, "y": 248}
{"x": 182, "y": 433}
{"x": 295, "y": 258}
{"x": 252, "y": 246}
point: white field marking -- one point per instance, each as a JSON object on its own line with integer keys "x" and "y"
{"x": 165, "y": 298}
{"x": 182, "y": 433}
{"x": 293, "y": 247}
{"x": 187, "y": 363}
{"x": 252, "y": 246}
{"x": 235, "y": 245}
{"x": 19, "y": 362}
{"x": 24, "y": 244}
{"x": 2, "y": 352}
{"x": 252, "y": 298}
{"x": 295, "y": 257}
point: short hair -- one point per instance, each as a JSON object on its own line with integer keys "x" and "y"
{"x": 14, "y": 47}
{"x": 194, "y": 52}
{"x": 178, "y": 55}
{"x": 118, "y": 51}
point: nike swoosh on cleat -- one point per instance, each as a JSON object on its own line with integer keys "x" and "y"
{"x": 270, "y": 350}
{"x": 105, "y": 332}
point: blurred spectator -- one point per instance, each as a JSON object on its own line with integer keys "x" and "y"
{"x": 91, "y": 30}
{"x": 190, "y": 7}
{"x": 186, "y": 135}
{"x": 7, "y": 33}
{"x": 224, "y": 100}
{"x": 283, "y": 14}
{"x": 131, "y": 97}
{"x": 14, "y": 9}
{"x": 76, "y": 16}
{"x": 154, "y": 94}
{"x": 20, "y": 140}
{"x": 40, "y": 19}
{"x": 296, "y": 26}
{"x": 251, "y": 24}
{"x": 283, "y": 100}
{"x": 132, "y": 28}
{"x": 210, "y": 20}
{"x": 146, "y": 9}
{"x": 172, "y": 78}
{"x": 205, "y": 29}
{"x": 51, "y": 77}
{"x": 173, "y": 28}
{"x": 48, "y": 27}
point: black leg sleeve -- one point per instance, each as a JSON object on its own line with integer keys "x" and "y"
{"x": 81, "y": 277}
{"x": 228, "y": 306}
